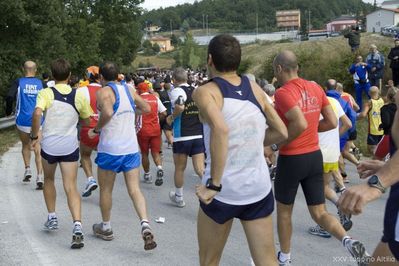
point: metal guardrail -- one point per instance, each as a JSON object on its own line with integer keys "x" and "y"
{"x": 6, "y": 122}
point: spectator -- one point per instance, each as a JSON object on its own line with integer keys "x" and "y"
{"x": 376, "y": 62}
{"x": 360, "y": 77}
{"x": 394, "y": 57}
{"x": 353, "y": 38}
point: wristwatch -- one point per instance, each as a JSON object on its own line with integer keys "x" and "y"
{"x": 210, "y": 185}
{"x": 32, "y": 137}
{"x": 374, "y": 181}
{"x": 274, "y": 147}
{"x": 96, "y": 131}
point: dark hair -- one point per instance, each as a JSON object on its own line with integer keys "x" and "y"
{"x": 45, "y": 76}
{"x": 226, "y": 52}
{"x": 60, "y": 69}
{"x": 109, "y": 71}
{"x": 73, "y": 81}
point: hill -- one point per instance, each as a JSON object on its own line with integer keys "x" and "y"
{"x": 240, "y": 15}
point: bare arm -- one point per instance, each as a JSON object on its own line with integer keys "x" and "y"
{"x": 277, "y": 131}
{"x": 296, "y": 124}
{"x": 36, "y": 120}
{"x": 105, "y": 103}
{"x": 366, "y": 109}
{"x": 346, "y": 124}
{"x": 354, "y": 104}
{"x": 329, "y": 120}
{"x": 142, "y": 105}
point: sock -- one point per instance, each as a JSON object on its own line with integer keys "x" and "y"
{"x": 144, "y": 223}
{"x": 284, "y": 256}
{"x": 146, "y": 173}
{"x": 52, "y": 215}
{"x": 77, "y": 223}
{"x": 159, "y": 167}
{"x": 106, "y": 225}
{"x": 345, "y": 239}
{"x": 179, "y": 193}
{"x": 90, "y": 178}
{"x": 27, "y": 167}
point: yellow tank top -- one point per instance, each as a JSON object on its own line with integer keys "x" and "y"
{"x": 375, "y": 117}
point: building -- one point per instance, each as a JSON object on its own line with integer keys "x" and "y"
{"x": 288, "y": 19}
{"x": 341, "y": 23}
{"x": 382, "y": 18}
{"x": 390, "y": 4}
{"x": 163, "y": 42}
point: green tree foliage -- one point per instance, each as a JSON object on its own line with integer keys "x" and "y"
{"x": 190, "y": 54}
{"x": 85, "y": 32}
{"x": 240, "y": 15}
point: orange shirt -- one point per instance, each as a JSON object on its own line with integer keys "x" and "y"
{"x": 311, "y": 99}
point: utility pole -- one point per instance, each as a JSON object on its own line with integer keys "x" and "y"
{"x": 171, "y": 29}
{"x": 203, "y": 22}
{"x": 308, "y": 21}
{"x": 256, "y": 25}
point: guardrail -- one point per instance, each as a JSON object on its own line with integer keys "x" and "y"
{"x": 6, "y": 122}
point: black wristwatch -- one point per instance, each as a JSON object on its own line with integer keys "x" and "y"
{"x": 374, "y": 181}
{"x": 210, "y": 185}
{"x": 95, "y": 131}
{"x": 274, "y": 147}
{"x": 32, "y": 137}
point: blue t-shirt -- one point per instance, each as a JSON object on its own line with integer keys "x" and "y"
{"x": 28, "y": 88}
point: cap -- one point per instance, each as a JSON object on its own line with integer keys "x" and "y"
{"x": 142, "y": 88}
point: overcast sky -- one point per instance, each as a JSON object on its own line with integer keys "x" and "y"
{"x": 153, "y": 4}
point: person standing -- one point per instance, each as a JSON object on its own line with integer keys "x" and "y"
{"x": 238, "y": 122}
{"x": 376, "y": 62}
{"x": 353, "y": 37}
{"x": 62, "y": 106}
{"x": 360, "y": 70}
{"x": 394, "y": 57}
{"x": 24, "y": 91}
{"x": 118, "y": 150}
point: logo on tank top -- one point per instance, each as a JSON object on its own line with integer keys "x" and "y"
{"x": 308, "y": 103}
{"x": 239, "y": 92}
{"x": 31, "y": 89}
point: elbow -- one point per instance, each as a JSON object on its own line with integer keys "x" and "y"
{"x": 333, "y": 124}
{"x": 284, "y": 134}
{"x": 146, "y": 109}
{"x": 221, "y": 130}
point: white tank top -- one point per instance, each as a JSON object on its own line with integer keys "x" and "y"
{"x": 118, "y": 136}
{"x": 246, "y": 177}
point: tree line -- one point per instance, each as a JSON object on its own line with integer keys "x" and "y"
{"x": 85, "y": 32}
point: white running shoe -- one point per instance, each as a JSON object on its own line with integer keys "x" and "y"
{"x": 173, "y": 198}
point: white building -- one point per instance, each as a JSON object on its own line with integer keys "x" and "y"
{"x": 390, "y": 4}
{"x": 381, "y": 18}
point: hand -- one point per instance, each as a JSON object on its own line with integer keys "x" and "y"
{"x": 169, "y": 120}
{"x": 179, "y": 108}
{"x": 33, "y": 144}
{"x": 396, "y": 57}
{"x": 355, "y": 198}
{"x": 373, "y": 69}
{"x": 91, "y": 133}
{"x": 274, "y": 80}
{"x": 205, "y": 195}
{"x": 369, "y": 167}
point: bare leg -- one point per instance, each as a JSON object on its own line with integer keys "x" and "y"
{"x": 180, "y": 161}
{"x": 284, "y": 226}
{"x": 38, "y": 157}
{"x": 85, "y": 153}
{"x": 145, "y": 162}
{"x": 49, "y": 191}
{"x": 382, "y": 252}
{"x": 133, "y": 188}
{"x": 211, "y": 247}
{"x": 169, "y": 136}
{"x": 327, "y": 221}
{"x": 106, "y": 181}
{"x": 199, "y": 164}
{"x": 26, "y": 151}
{"x": 156, "y": 158}
{"x": 69, "y": 171}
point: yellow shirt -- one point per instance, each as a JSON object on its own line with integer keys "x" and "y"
{"x": 375, "y": 117}
{"x": 45, "y": 99}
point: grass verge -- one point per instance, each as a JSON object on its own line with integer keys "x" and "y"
{"x": 8, "y": 137}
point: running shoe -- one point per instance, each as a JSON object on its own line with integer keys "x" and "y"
{"x": 283, "y": 263}
{"x": 90, "y": 186}
{"x": 169, "y": 146}
{"x": 27, "y": 175}
{"x": 358, "y": 251}
{"x": 148, "y": 238}
{"x": 147, "y": 178}
{"x": 98, "y": 231}
{"x": 345, "y": 221}
{"x": 344, "y": 174}
{"x": 356, "y": 153}
{"x": 51, "y": 224}
{"x": 346, "y": 180}
{"x": 173, "y": 198}
{"x": 77, "y": 237}
{"x": 319, "y": 231}
{"x": 159, "y": 180}
{"x": 39, "y": 182}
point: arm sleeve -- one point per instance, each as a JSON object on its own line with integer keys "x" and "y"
{"x": 161, "y": 107}
{"x": 11, "y": 97}
{"x": 175, "y": 93}
{"x": 352, "y": 69}
{"x": 390, "y": 55}
{"x": 43, "y": 99}
{"x": 324, "y": 100}
{"x": 83, "y": 105}
{"x": 284, "y": 102}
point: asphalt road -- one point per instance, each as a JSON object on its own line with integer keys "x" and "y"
{"x": 24, "y": 242}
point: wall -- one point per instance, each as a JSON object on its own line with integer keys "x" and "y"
{"x": 379, "y": 19}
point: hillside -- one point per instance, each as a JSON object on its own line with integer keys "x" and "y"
{"x": 229, "y": 15}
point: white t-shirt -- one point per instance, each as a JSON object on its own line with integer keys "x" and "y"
{"x": 176, "y": 92}
{"x": 329, "y": 140}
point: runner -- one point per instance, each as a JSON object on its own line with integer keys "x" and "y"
{"x": 149, "y": 135}
{"x": 61, "y": 106}
{"x": 25, "y": 91}
{"x": 187, "y": 133}
{"x": 118, "y": 150}
{"x": 300, "y": 103}
{"x": 88, "y": 145}
{"x": 159, "y": 88}
{"x": 234, "y": 185}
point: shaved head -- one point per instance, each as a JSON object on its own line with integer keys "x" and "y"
{"x": 30, "y": 68}
{"x": 287, "y": 60}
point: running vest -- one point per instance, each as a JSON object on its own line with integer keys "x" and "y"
{"x": 118, "y": 136}
{"x": 28, "y": 88}
{"x": 246, "y": 176}
{"x": 375, "y": 117}
{"x": 347, "y": 97}
{"x": 187, "y": 125}
{"x": 59, "y": 127}
{"x": 164, "y": 97}
{"x": 150, "y": 122}
{"x": 90, "y": 92}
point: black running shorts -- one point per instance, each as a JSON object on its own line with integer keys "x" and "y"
{"x": 305, "y": 169}
{"x": 51, "y": 159}
{"x": 391, "y": 221}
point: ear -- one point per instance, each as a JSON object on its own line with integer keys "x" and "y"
{"x": 210, "y": 61}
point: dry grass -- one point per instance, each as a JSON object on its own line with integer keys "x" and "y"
{"x": 8, "y": 137}
{"x": 161, "y": 61}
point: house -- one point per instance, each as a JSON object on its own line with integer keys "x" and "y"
{"x": 288, "y": 19}
{"x": 163, "y": 42}
{"x": 390, "y": 4}
{"x": 341, "y": 23}
{"x": 381, "y": 18}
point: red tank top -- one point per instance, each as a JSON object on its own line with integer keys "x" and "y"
{"x": 347, "y": 98}
{"x": 92, "y": 89}
{"x": 150, "y": 122}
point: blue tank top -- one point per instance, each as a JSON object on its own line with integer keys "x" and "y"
{"x": 28, "y": 88}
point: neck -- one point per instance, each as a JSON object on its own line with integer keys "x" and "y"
{"x": 289, "y": 76}
{"x": 61, "y": 82}
{"x": 224, "y": 75}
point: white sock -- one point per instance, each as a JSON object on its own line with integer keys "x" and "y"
{"x": 52, "y": 215}
{"x": 77, "y": 223}
{"x": 179, "y": 193}
{"x": 144, "y": 223}
{"x": 90, "y": 178}
{"x": 344, "y": 240}
{"x": 159, "y": 167}
{"x": 284, "y": 256}
{"x": 106, "y": 225}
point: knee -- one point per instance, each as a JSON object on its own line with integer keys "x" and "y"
{"x": 318, "y": 215}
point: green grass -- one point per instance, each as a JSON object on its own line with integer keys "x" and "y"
{"x": 361, "y": 141}
{"x": 8, "y": 137}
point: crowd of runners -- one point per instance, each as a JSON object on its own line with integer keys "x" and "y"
{"x": 241, "y": 133}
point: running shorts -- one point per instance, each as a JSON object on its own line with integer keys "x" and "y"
{"x": 305, "y": 169}
{"x": 221, "y": 212}
{"x": 118, "y": 163}
{"x": 149, "y": 142}
{"x": 86, "y": 140}
{"x": 383, "y": 147}
{"x": 189, "y": 147}
{"x": 373, "y": 139}
{"x": 330, "y": 167}
{"x": 391, "y": 221}
{"x": 51, "y": 159}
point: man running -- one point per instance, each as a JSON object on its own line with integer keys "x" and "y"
{"x": 87, "y": 144}
{"x": 149, "y": 135}
{"x": 236, "y": 183}
{"x": 118, "y": 150}
{"x": 25, "y": 91}
{"x": 300, "y": 103}
{"x": 187, "y": 134}
{"x": 61, "y": 106}
{"x": 159, "y": 88}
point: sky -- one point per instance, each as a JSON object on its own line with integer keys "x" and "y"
{"x": 153, "y": 4}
